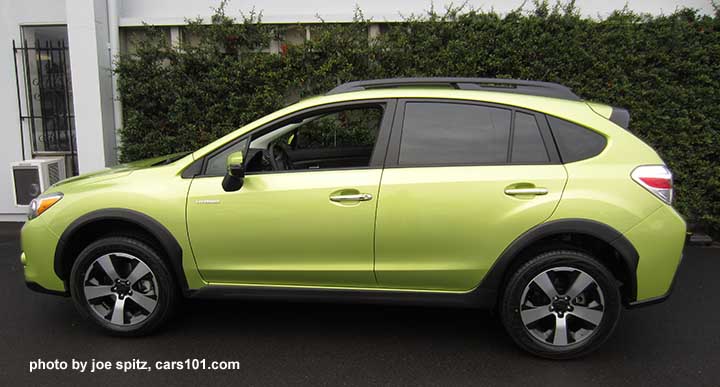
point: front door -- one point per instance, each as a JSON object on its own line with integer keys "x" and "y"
{"x": 306, "y": 212}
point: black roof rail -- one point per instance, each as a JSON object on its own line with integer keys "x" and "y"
{"x": 518, "y": 86}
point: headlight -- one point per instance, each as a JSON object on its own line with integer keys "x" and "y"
{"x": 42, "y": 203}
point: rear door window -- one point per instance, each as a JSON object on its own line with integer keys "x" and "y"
{"x": 445, "y": 133}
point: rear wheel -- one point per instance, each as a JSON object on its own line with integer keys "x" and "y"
{"x": 561, "y": 304}
{"x": 123, "y": 286}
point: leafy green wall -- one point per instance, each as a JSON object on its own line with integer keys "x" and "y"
{"x": 665, "y": 69}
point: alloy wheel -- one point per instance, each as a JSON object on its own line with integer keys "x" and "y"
{"x": 121, "y": 289}
{"x": 562, "y": 306}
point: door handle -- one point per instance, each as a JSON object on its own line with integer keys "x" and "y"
{"x": 526, "y": 191}
{"x": 363, "y": 197}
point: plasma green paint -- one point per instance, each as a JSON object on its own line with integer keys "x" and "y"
{"x": 444, "y": 227}
{"x": 434, "y": 229}
{"x": 282, "y": 228}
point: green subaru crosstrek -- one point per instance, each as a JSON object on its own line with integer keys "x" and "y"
{"x": 493, "y": 193}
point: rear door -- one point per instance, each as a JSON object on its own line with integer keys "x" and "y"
{"x": 462, "y": 181}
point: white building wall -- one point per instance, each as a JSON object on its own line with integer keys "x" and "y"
{"x": 14, "y": 14}
{"x": 92, "y": 87}
{"x": 174, "y": 12}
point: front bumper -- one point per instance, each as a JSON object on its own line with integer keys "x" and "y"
{"x": 37, "y": 288}
{"x": 38, "y": 257}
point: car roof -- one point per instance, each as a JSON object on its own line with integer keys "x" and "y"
{"x": 513, "y": 86}
{"x": 549, "y": 105}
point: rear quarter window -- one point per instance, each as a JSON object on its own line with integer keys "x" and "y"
{"x": 575, "y": 142}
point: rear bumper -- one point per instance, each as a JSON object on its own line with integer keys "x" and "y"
{"x": 658, "y": 299}
{"x": 659, "y": 240}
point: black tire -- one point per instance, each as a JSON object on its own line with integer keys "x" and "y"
{"x": 164, "y": 290}
{"x": 510, "y": 305}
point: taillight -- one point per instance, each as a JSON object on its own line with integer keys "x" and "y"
{"x": 657, "y": 179}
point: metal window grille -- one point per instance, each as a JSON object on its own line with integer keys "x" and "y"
{"x": 47, "y": 114}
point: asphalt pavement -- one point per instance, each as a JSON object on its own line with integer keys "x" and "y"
{"x": 676, "y": 343}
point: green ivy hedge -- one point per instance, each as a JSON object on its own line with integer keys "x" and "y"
{"x": 665, "y": 69}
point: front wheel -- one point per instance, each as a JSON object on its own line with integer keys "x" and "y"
{"x": 123, "y": 286}
{"x": 561, "y": 305}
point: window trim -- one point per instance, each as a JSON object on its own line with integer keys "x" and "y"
{"x": 512, "y": 138}
{"x": 547, "y": 135}
{"x": 393, "y": 153}
{"x": 377, "y": 157}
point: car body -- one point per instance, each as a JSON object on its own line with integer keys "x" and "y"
{"x": 409, "y": 215}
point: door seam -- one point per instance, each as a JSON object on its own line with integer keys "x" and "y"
{"x": 375, "y": 222}
{"x": 187, "y": 232}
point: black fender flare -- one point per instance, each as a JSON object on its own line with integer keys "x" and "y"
{"x": 629, "y": 256}
{"x": 144, "y": 222}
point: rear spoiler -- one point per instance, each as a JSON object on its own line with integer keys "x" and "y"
{"x": 620, "y": 117}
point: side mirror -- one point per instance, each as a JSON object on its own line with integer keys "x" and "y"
{"x": 235, "y": 175}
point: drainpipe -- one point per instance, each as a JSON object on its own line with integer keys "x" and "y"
{"x": 113, "y": 7}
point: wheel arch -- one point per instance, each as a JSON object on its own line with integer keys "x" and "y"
{"x": 117, "y": 221}
{"x": 601, "y": 240}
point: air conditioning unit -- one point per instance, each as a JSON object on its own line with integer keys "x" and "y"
{"x": 33, "y": 177}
